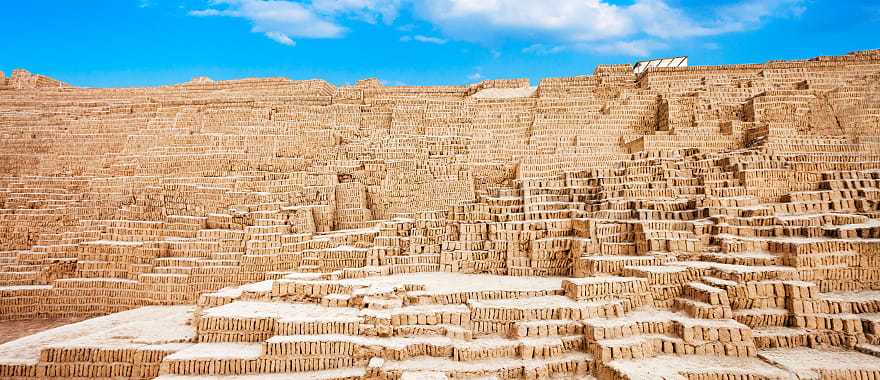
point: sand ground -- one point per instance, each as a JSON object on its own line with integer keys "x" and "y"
{"x": 12, "y": 330}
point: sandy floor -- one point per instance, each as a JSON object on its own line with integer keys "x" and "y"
{"x": 150, "y": 327}
{"x": 12, "y": 330}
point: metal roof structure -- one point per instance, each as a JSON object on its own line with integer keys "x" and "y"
{"x": 641, "y": 66}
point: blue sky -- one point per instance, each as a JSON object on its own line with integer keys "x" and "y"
{"x": 416, "y": 42}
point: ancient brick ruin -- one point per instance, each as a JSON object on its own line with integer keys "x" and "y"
{"x": 715, "y": 222}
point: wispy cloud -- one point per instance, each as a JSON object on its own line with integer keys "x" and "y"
{"x": 208, "y": 13}
{"x": 541, "y": 49}
{"x": 282, "y": 21}
{"x": 634, "y": 48}
{"x": 658, "y": 19}
{"x": 424, "y": 39}
{"x": 280, "y": 38}
{"x": 365, "y": 10}
{"x": 406, "y": 28}
{"x": 598, "y": 26}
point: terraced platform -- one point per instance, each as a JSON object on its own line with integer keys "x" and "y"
{"x": 714, "y": 222}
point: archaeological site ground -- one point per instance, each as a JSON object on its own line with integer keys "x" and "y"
{"x": 700, "y": 223}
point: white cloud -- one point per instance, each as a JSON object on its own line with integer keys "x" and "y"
{"x": 750, "y": 14}
{"x": 206, "y": 13}
{"x": 424, "y": 39}
{"x": 475, "y": 76}
{"x": 484, "y": 20}
{"x": 429, "y": 40}
{"x": 658, "y": 19}
{"x": 637, "y": 29}
{"x": 365, "y": 10}
{"x": 280, "y": 38}
{"x": 278, "y": 20}
{"x": 550, "y": 27}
